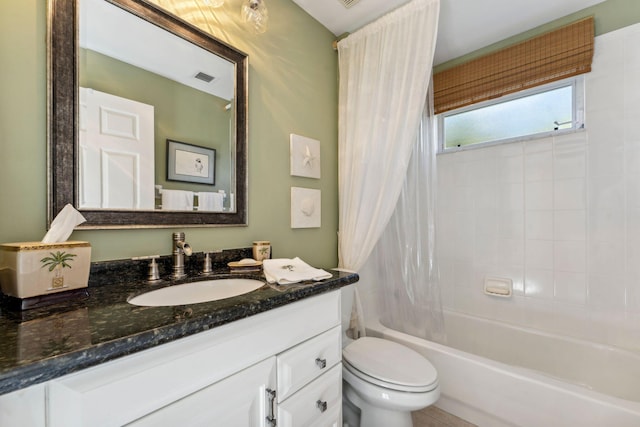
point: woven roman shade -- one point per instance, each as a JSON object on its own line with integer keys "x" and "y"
{"x": 552, "y": 56}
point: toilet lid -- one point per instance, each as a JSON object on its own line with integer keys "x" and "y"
{"x": 390, "y": 362}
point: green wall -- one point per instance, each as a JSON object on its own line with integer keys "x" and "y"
{"x": 292, "y": 89}
{"x": 181, "y": 113}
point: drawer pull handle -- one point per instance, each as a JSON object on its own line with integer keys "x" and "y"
{"x": 271, "y": 397}
{"x": 322, "y": 363}
{"x": 321, "y": 405}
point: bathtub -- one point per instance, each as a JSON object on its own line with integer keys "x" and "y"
{"x": 499, "y": 375}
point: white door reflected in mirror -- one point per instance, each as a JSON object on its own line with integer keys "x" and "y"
{"x": 116, "y": 137}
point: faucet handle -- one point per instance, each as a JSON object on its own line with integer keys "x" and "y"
{"x": 154, "y": 274}
{"x": 207, "y": 266}
{"x": 207, "y": 263}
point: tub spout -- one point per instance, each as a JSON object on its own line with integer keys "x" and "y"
{"x": 186, "y": 248}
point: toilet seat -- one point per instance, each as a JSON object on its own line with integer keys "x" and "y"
{"x": 390, "y": 365}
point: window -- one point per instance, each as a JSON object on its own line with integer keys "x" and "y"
{"x": 539, "y": 112}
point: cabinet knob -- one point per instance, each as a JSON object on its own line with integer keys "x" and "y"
{"x": 321, "y": 405}
{"x": 322, "y": 363}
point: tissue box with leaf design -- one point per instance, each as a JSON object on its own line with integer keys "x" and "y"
{"x": 30, "y": 269}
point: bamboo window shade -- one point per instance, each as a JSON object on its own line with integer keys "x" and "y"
{"x": 552, "y": 56}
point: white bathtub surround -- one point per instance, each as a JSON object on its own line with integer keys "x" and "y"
{"x": 559, "y": 216}
{"x": 498, "y": 375}
{"x": 391, "y": 58}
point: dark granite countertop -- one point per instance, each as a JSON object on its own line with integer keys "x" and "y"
{"x": 41, "y": 344}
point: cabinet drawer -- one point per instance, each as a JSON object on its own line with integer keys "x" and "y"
{"x": 303, "y": 363}
{"x": 318, "y": 404}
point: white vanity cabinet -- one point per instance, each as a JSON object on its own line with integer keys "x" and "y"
{"x": 284, "y": 364}
{"x": 298, "y": 387}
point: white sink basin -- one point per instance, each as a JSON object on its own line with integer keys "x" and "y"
{"x": 195, "y": 292}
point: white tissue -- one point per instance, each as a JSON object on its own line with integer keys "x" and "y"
{"x": 63, "y": 224}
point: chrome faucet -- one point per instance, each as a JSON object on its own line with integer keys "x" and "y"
{"x": 180, "y": 249}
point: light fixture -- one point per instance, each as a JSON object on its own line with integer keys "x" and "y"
{"x": 255, "y": 14}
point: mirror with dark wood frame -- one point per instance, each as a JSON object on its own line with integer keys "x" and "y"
{"x": 187, "y": 126}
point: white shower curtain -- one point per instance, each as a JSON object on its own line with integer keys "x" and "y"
{"x": 387, "y": 166}
{"x": 402, "y": 269}
{"x": 385, "y": 69}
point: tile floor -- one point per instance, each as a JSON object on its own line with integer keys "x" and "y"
{"x": 435, "y": 417}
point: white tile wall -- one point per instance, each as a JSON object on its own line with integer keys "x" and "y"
{"x": 560, "y": 216}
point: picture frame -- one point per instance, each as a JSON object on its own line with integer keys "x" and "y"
{"x": 306, "y": 207}
{"x": 190, "y": 163}
{"x": 304, "y": 156}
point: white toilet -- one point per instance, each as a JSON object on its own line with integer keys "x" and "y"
{"x": 383, "y": 382}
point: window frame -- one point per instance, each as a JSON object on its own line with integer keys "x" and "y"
{"x": 577, "y": 105}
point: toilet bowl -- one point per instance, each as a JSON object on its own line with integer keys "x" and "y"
{"x": 383, "y": 382}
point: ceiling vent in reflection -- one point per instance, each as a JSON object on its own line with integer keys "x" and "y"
{"x": 348, "y": 3}
{"x": 204, "y": 77}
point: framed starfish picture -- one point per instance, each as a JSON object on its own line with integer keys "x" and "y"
{"x": 305, "y": 156}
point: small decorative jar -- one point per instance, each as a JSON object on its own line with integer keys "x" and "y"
{"x": 261, "y": 250}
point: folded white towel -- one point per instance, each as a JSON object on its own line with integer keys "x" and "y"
{"x": 285, "y": 271}
{"x": 177, "y": 200}
{"x": 210, "y": 201}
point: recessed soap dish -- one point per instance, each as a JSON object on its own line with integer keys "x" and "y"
{"x": 498, "y": 287}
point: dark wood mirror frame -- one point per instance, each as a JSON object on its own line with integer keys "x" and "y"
{"x": 62, "y": 117}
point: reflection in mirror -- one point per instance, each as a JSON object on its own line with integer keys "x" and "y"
{"x": 158, "y": 129}
{"x": 140, "y": 87}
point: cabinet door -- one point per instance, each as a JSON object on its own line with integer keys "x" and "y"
{"x": 23, "y": 408}
{"x": 237, "y": 401}
{"x": 319, "y": 404}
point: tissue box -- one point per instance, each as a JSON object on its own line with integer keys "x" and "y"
{"x": 29, "y": 269}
